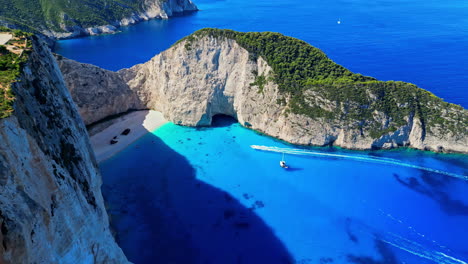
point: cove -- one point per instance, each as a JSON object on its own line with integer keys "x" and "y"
{"x": 422, "y": 42}
{"x": 203, "y": 195}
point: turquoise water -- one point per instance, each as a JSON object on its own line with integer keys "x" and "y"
{"x": 419, "y": 41}
{"x": 185, "y": 195}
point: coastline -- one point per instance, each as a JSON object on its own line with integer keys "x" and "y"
{"x": 358, "y": 151}
{"x": 160, "y": 12}
{"x": 110, "y": 28}
{"x": 142, "y": 122}
{"x": 166, "y": 10}
{"x": 139, "y": 123}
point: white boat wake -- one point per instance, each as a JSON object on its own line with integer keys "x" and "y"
{"x": 381, "y": 160}
{"x": 412, "y": 247}
{"x": 426, "y": 248}
{"x": 419, "y": 250}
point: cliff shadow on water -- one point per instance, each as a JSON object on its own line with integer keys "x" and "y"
{"x": 162, "y": 213}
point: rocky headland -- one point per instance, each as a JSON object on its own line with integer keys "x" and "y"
{"x": 277, "y": 85}
{"x": 151, "y": 10}
{"x": 73, "y": 18}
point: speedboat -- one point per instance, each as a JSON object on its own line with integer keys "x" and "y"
{"x": 283, "y": 163}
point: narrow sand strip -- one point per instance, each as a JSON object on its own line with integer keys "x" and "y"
{"x": 139, "y": 123}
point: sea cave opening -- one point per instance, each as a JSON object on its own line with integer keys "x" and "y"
{"x": 222, "y": 120}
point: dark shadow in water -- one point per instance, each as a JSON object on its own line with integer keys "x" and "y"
{"x": 293, "y": 168}
{"x": 326, "y": 260}
{"x": 432, "y": 185}
{"x": 163, "y": 214}
{"x": 349, "y": 232}
{"x": 383, "y": 250}
{"x": 387, "y": 256}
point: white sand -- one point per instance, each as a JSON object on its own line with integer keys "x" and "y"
{"x": 4, "y": 38}
{"x": 140, "y": 123}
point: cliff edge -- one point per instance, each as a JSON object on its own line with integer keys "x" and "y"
{"x": 51, "y": 207}
{"x": 97, "y": 92}
{"x": 285, "y": 88}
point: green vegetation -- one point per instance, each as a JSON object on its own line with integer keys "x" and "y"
{"x": 260, "y": 81}
{"x": 39, "y": 15}
{"x": 302, "y": 72}
{"x": 12, "y": 57}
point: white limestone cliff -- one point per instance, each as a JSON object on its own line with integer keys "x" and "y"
{"x": 162, "y": 9}
{"x": 214, "y": 76}
{"x": 191, "y": 83}
{"x": 51, "y": 207}
{"x": 98, "y": 93}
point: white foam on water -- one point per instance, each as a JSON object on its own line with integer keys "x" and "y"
{"x": 394, "y": 240}
{"x": 437, "y": 255}
{"x": 419, "y": 250}
{"x": 381, "y": 160}
{"x": 413, "y": 230}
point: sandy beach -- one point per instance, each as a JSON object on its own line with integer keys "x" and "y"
{"x": 139, "y": 123}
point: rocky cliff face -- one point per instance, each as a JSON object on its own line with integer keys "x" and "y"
{"x": 51, "y": 207}
{"x": 150, "y": 9}
{"x": 98, "y": 93}
{"x": 59, "y": 19}
{"x": 198, "y": 79}
{"x": 191, "y": 84}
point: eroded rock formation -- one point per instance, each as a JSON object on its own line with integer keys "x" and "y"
{"x": 202, "y": 76}
{"x": 51, "y": 207}
{"x": 98, "y": 93}
{"x": 151, "y": 9}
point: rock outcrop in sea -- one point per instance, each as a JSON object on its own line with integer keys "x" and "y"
{"x": 51, "y": 207}
{"x": 207, "y": 74}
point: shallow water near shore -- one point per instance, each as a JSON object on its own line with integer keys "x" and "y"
{"x": 418, "y": 41}
{"x": 186, "y": 195}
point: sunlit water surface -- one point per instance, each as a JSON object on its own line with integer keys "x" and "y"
{"x": 185, "y": 195}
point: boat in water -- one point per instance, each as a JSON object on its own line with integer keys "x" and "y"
{"x": 283, "y": 163}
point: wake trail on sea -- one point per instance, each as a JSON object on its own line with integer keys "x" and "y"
{"x": 420, "y": 246}
{"x": 419, "y": 250}
{"x": 380, "y": 160}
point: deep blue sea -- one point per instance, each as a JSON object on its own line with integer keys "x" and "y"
{"x": 186, "y": 195}
{"x": 420, "y": 41}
